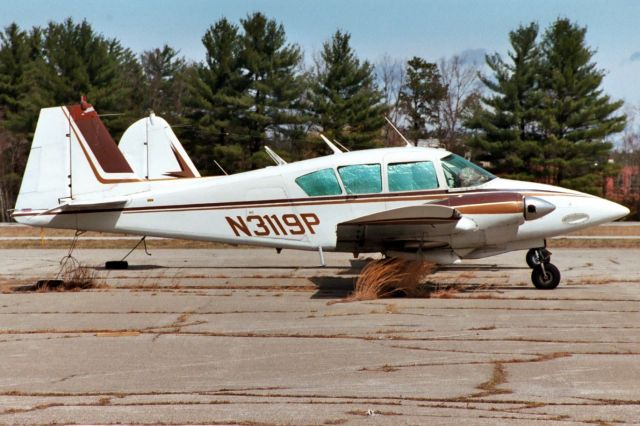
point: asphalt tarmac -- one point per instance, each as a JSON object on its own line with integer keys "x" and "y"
{"x": 247, "y": 336}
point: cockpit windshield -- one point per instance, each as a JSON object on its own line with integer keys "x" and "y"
{"x": 461, "y": 173}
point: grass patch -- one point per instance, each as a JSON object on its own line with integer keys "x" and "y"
{"x": 392, "y": 277}
{"x": 73, "y": 277}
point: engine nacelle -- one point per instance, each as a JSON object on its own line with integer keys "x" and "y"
{"x": 535, "y": 208}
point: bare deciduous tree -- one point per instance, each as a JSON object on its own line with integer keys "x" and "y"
{"x": 460, "y": 77}
{"x": 390, "y": 73}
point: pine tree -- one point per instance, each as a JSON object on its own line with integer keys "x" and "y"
{"x": 164, "y": 74}
{"x": 576, "y": 116}
{"x": 345, "y": 100}
{"x": 81, "y": 62}
{"x": 420, "y": 97}
{"x": 247, "y": 91}
{"x": 22, "y": 69}
{"x": 55, "y": 66}
{"x": 508, "y": 134}
{"x": 548, "y": 119}
{"x": 15, "y": 62}
{"x": 216, "y": 100}
{"x": 270, "y": 66}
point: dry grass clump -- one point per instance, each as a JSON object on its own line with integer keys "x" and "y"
{"x": 72, "y": 277}
{"x": 78, "y": 277}
{"x": 391, "y": 277}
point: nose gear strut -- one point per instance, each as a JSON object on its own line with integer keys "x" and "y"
{"x": 544, "y": 274}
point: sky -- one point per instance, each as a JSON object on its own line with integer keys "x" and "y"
{"x": 432, "y": 29}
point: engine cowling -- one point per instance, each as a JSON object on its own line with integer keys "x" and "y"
{"x": 535, "y": 208}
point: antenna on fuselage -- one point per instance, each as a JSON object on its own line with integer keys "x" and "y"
{"x": 334, "y": 148}
{"x": 398, "y": 132}
{"x": 275, "y": 157}
{"x": 340, "y": 145}
{"x": 220, "y": 167}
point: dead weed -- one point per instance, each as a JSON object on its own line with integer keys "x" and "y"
{"x": 391, "y": 277}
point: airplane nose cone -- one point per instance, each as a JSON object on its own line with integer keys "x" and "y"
{"x": 617, "y": 211}
{"x": 603, "y": 211}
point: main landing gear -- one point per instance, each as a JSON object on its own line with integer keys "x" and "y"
{"x": 544, "y": 275}
{"x": 123, "y": 264}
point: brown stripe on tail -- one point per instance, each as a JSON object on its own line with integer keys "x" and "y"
{"x": 99, "y": 140}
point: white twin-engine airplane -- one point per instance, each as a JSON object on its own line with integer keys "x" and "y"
{"x": 417, "y": 203}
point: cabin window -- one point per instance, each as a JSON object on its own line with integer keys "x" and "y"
{"x": 412, "y": 176}
{"x": 361, "y": 178}
{"x": 461, "y": 173}
{"x": 322, "y": 182}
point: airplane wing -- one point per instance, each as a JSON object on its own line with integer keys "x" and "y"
{"x": 424, "y": 222}
{"x": 425, "y": 214}
{"x": 433, "y": 224}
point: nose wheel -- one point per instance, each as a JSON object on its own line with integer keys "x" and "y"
{"x": 544, "y": 275}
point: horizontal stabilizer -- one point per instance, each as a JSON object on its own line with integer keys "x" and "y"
{"x": 83, "y": 205}
{"x": 90, "y": 204}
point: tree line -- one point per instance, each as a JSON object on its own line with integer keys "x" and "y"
{"x": 539, "y": 113}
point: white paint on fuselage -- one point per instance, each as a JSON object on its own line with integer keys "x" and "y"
{"x": 193, "y": 208}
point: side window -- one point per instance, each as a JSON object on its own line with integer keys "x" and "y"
{"x": 412, "y": 176}
{"x": 322, "y": 182}
{"x": 361, "y": 178}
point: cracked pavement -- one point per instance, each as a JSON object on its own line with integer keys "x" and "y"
{"x": 247, "y": 336}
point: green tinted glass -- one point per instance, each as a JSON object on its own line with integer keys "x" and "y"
{"x": 461, "y": 173}
{"x": 322, "y": 182}
{"x": 361, "y": 178}
{"x": 412, "y": 176}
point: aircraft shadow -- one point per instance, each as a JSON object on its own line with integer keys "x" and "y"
{"x": 332, "y": 287}
{"x": 251, "y": 268}
{"x": 480, "y": 268}
{"x": 132, "y": 268}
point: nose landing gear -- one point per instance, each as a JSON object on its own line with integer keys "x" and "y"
{"x": 544, "y": 275}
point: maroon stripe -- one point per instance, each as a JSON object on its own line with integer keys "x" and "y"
{"x": 453, "y": 200}
{"x": 99, "y": 140}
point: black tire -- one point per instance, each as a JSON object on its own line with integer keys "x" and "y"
{"x": 547, "y": 279}
{"x": 532, "y": 258}
{"x": 116, "y": 264}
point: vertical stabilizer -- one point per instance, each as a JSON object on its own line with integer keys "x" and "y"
{"x": 154, "y": 151}
{"x": 72, "y": 156}
{"x": 46, "y": 177}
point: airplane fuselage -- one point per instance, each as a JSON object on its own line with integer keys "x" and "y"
{"x": 268, "y": 207}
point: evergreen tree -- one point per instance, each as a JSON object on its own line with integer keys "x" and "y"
{"x": 55, "y": 66}
{"x": 165, "y": 85}
{"x": 420, "y": 97}
{"x": 247, "y": 91}
{"x": 22, "y": 69}
{"x": 15, "y": 62}
{"x": 216, "y": 101}
{"x": 548, "y": 119}
{"x": 81, "y": 62}
{"x": 269, "y": 65}
{"x": 345, "y": 100}
{"x": 576, "y": 117}
{"x": 509, "y": 136}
